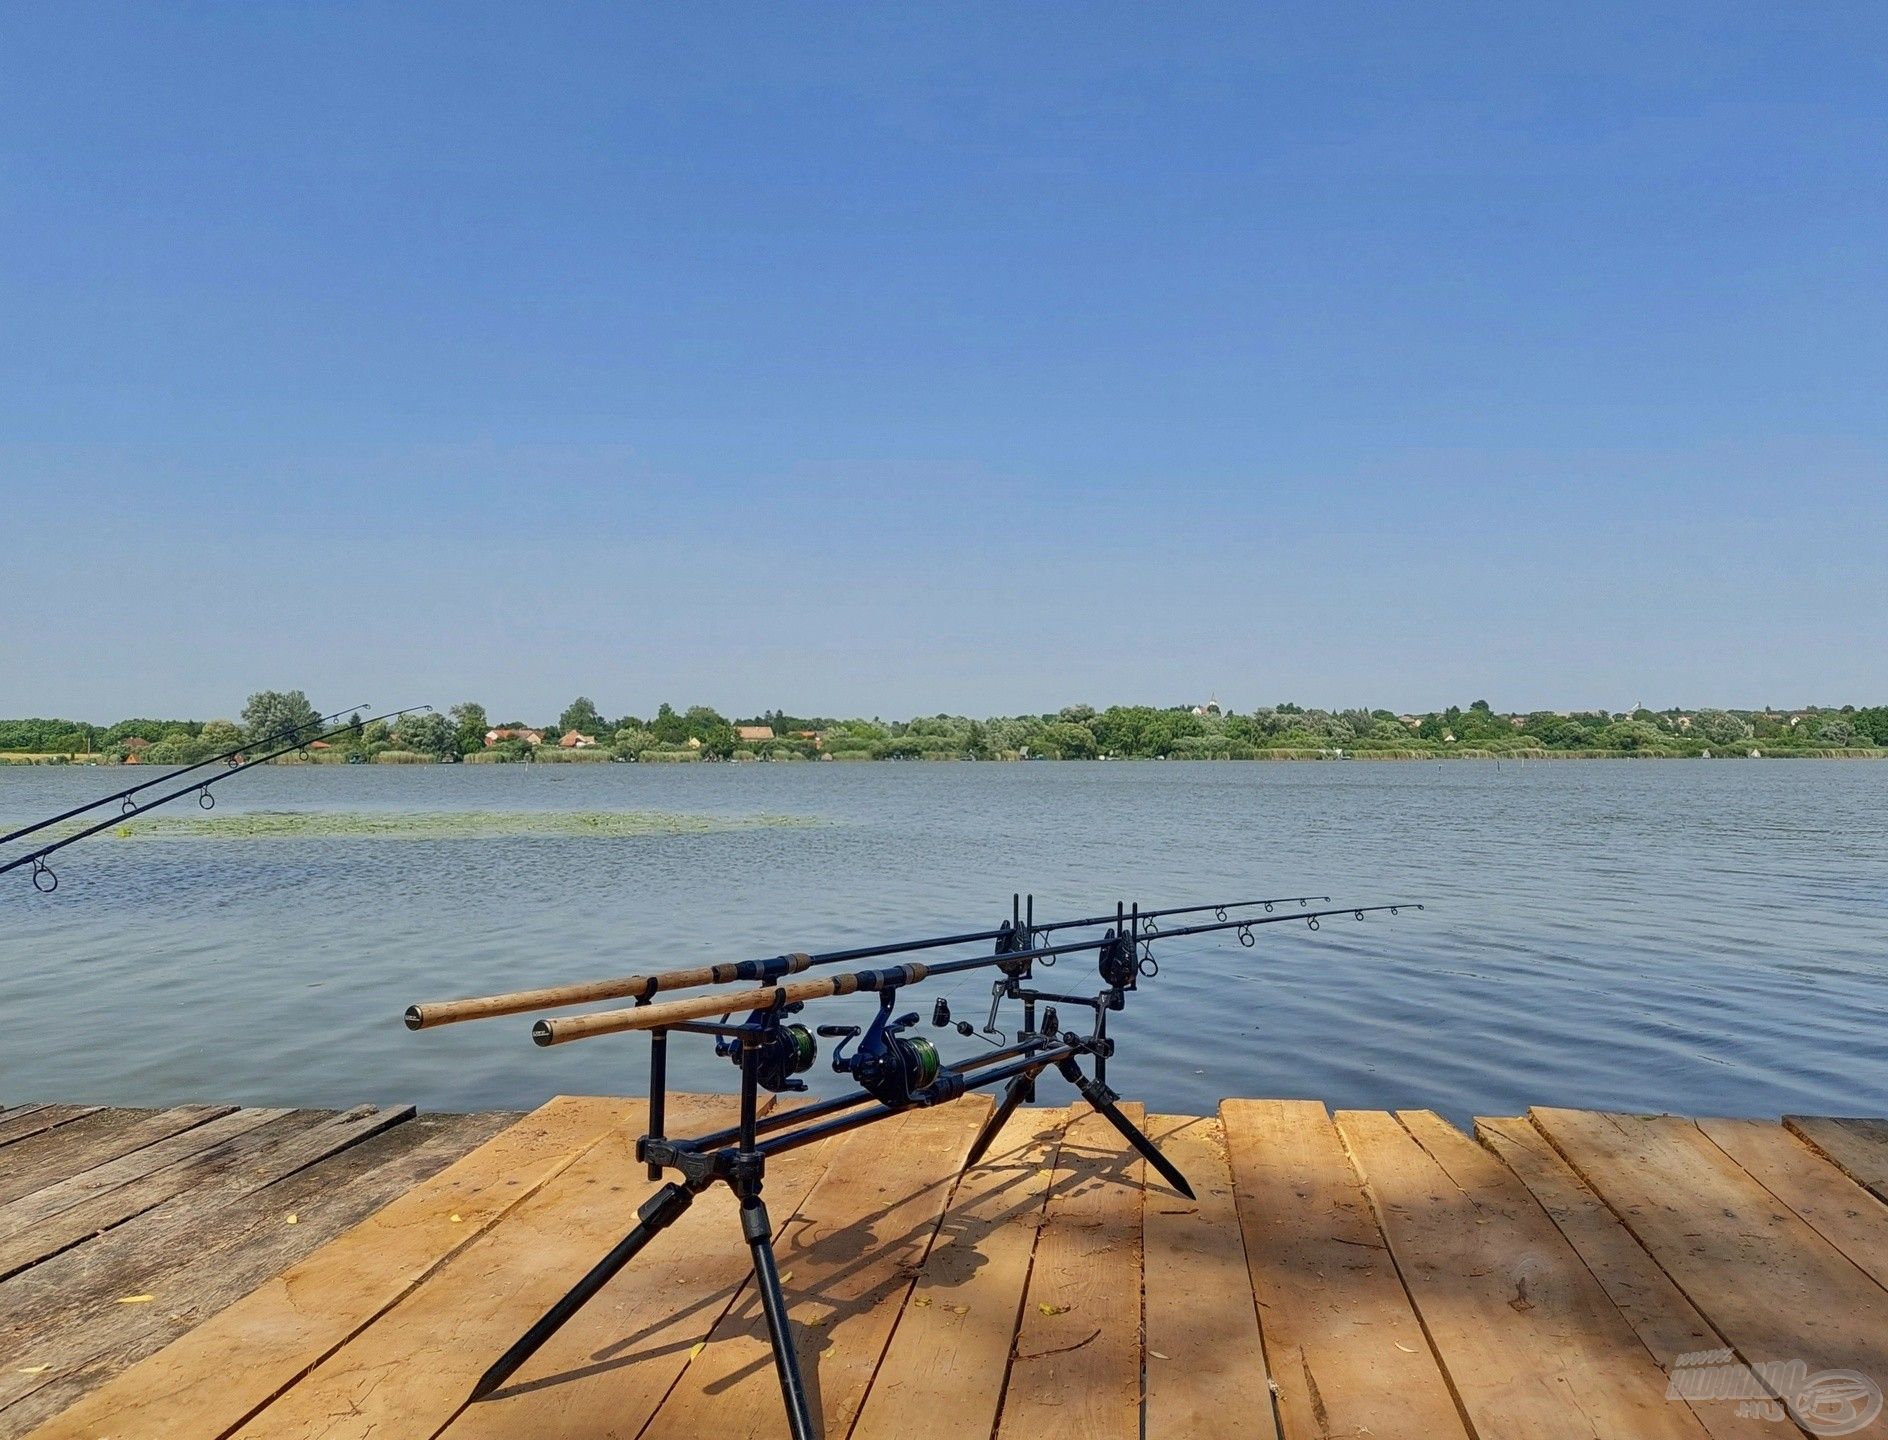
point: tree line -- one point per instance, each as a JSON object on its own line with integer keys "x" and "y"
{"x": 1076, "y": 732}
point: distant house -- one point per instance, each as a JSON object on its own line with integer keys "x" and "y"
{"x": 504, "y": 733}
{"x": 818, "y": 740}
{"x": 1681, "y": 722}
{"x": 1517, "y": 721}
{"x": 1211, "y": 707}
{"x": 575, "y": 740}
{"x": 319, "y": 745}
{"x": 135, "y": 743}
{"x": 754, "y": 734}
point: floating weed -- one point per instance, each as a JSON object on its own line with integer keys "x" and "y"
{"x": 443, "y": 825}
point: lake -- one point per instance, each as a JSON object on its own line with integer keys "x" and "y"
{"x": 1705, "y": 937}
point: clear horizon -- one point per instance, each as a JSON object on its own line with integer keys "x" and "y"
{"x": 854, "y": 362}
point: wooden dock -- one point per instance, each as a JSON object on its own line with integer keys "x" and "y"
{"x": 203, "y": 1272}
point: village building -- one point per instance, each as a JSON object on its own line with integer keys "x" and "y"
{"x": 503, "y": 733}
{"x": 576, "y": 740}
{"x": 753, "y": 734}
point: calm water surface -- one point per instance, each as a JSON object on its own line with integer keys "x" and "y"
{"x": 1699, "y": 937}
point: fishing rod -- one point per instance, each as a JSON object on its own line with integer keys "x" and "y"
{"x": 671, "y": 1012}
{"x": 123, "y": 797}
{"x": 1015, "y": 934}
{"x": 45, "y": 881}
{"x": 892, "y": 1072}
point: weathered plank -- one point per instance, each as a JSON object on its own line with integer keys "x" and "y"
{"x": 190, "y": 1391}
{"x": 951, "y": 1351}
{"x": 59, "y": 1154}
{"x": 1205, "y": 1363}
{"x": 1341, "y": 1336}
{"x": 1077, "y": 1366}
{"x": 1531, "y": 1344}
{"x": 846, "y": 1260}
{"x": 1832, "y": 1204}
{"x": 23, "y": 1121}
{"x": 56, "y": 1217}
{"x": 1667, "y": 1324}
{"x": 1773, "y": 1287}
{"x": 437, "y": 1341}
{"x": 607, "y": 1370}
{"x": 1859, "y": 1148}
{"x": 56, "y": 1301}
{"x": 251, "y": 1245}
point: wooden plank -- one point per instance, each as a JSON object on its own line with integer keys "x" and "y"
{"x": 949, "y": 1355}
{"x": 104, "y": 1135}
{"x": 59, "y": 1216}
{"x": 1832, "y": 1204}
{"x": 1773, "y": 1287}
{"x": 1341, "y": 1336}
{"x": 23, "y": 1121}
{"x": 1530, "y": 1342}
{"x": 410, "y": 1371}
{"x": 1077, "y": 1365}
{"x": 255, "y": 1247}
{"x": 847, "y": 1260}
{"x": 1859, "y": 1148}
{"x": 605, "y": 1373}
{"x": 1205, "y": 1362}
{"x": 190, "y": 1391}
{"x": 55, "y": 1301}
{"x": 1667, "y": 1324}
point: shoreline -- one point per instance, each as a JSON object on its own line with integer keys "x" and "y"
{"x": 1401, "y": 757}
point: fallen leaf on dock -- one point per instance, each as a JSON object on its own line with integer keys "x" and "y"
{"x": 1158, "y": 1356}
{"x": 290, "y": 1220}
{"x": 1049, "y": 1309}
{"x": 922, "y": 1300}
{"x": 697, "y": 1348}
{"x": 34, "y": 1369}
{"x": 135, "y": 1299}
{"x": 455, "y": 1219}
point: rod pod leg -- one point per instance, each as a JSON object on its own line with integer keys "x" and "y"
{"x": 1102, "y": 1098}
{"x": 760, "y": 1240}
{"x": 1014, "y": 1095}
{"x": 655, "y": 1215}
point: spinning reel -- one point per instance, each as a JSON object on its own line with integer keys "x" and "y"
{"x": 888, "y": 1066}
{"x": 782, "y": 1051}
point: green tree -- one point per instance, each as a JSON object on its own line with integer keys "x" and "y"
{"x": 582, "y": 716}
{"x": 469, "y": 725}
{"x": 284, "y": 715}
{"x": 1873, "y": 722}
{"x": 1636, "y": 736}
{"x": 714, "y": 732}
{"x": 1719, "y": 727}
{"x": 1066, "y": 740}
{"x": 1835, "y": 730}
{"x": 428, "y": 733}
{"x": 668, "y": 727}
{"x": 976, "y": 742}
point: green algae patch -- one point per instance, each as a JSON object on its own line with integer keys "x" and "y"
{"x": 442, "y": 825}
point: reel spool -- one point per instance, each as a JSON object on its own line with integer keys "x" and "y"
{"x": 888, "y": 1065}
{"x": 784, "y": 1051}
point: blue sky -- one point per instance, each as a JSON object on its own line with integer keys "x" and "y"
{"x": 881, "y": 361}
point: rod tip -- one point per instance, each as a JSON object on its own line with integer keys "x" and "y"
{"x": 415, "y": 1018}
{"x": 541, "y": 1033}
